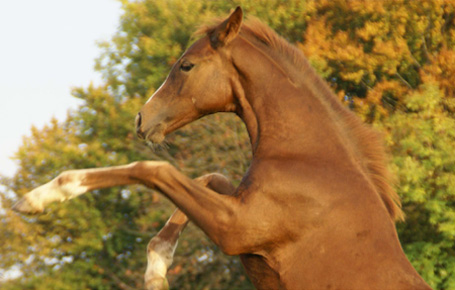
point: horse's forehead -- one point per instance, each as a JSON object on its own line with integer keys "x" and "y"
{"x": 200, "y": 48}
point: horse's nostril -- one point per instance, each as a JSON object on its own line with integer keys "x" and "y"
{"x": 138, "y": 121}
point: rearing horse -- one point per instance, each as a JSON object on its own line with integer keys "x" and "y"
{"x": 315, "y": 209}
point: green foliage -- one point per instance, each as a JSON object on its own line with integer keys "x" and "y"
{"x": 154, "y": 34}
{"x": 393, "y": 61}
{"x": 422, "y": 139}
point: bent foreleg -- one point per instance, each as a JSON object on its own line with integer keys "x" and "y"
{"x": 221, "y": 217}
{"x": 160, "y": 251}
{"x": 161, "y": 248}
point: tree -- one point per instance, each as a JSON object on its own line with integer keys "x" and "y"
{"x": 392, "y": 62}
{"x": 98, "y": 241}
{"x": 422, "y": 139}
{"x": 374, "y": 52}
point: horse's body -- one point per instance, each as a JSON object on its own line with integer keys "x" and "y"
{"x": 314, "y": 210}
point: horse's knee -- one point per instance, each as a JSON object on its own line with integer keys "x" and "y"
{"x": 217, "y": 182}
{"x": 139, "y": 167}
{"x": 148, "y": 172}
{"x": 210, "y": 177}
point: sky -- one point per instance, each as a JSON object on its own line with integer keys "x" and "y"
{"x": 46, "y": 48}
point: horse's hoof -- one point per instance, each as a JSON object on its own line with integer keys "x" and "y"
{"x": 24, "y": 206}
{"x": 156, "y": 283}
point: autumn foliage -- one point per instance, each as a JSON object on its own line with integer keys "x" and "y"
{"x": 392, "y": 62}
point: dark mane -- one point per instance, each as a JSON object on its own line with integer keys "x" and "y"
{"x": 367, "y": 144}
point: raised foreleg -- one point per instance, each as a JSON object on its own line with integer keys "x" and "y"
{"x": 209, "y": 210}
{"x": 72, "y": 183}
{"x": 223, "y": 218}
{"x": 160, "y": 250}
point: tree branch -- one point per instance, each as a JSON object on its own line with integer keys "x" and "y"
{"x": 403, "y": 80}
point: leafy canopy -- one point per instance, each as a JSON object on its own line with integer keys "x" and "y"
{"x": 392, "y": 62}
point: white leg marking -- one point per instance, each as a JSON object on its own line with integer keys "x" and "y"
{"x": 37, "y": 199}
{"x": 160, "y": 255}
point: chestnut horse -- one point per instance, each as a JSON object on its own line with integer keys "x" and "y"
{"x": 315, "y": 209}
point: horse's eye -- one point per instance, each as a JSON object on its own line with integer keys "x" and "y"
{"x": 186, "y": 66}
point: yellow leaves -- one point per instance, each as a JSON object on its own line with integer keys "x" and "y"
{"x": 321, "y": 66}
{"x": 385, "y": 48}
{"x": 378, "y": 103}
{"x": 376, "y": 94}
{"x": 355, "y": 76}
{"x": 370, "y": 30}
{"x": 367, "y": 6}
{"x": 442, "y": 69}
{"x": 320, "y": 45}
{"x": 389, "y": 54}
{"x": 340, "y": 45}
{"x": 377, "y": 51}
{"x": 316, "y": 37}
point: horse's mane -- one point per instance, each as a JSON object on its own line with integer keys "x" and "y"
{"x": 367, "y": 142}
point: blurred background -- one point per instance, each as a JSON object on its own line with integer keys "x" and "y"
{"x": 73, "y": 74}
{"x": 47, "y": 47}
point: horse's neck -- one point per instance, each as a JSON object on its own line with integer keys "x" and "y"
{"x": 282, "y": 114}
{"x": 288, "y": 121}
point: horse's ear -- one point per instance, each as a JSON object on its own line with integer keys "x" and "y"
{"x": 227, "y": 30}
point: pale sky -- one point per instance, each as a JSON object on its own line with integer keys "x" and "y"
{"x": 46, "y": 48}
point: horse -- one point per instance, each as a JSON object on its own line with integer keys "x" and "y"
{"x": 315, "y": 209}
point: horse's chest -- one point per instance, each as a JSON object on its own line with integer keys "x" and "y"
{"x": 260, "y": 273}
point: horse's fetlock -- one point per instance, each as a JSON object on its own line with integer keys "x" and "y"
{"x": 67, "y": 177}
{"x": 62, "y": 178}
{"x": 152, "y": 244}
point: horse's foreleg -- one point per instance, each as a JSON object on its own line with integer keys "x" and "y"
{"x": 72, "y": 183}
{"x": 221, "y": 217}
{"x": 160, "y": 250}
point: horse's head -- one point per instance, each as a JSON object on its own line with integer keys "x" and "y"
{"x": 200, "y": 83}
